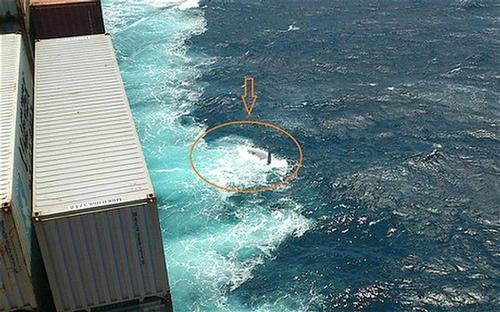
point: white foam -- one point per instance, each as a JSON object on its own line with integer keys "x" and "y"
{"x": 230, "y": 164}
{"x": 182, "y": 4}
{"x": 225, "y": 257}
{"x": 209, "y": 254}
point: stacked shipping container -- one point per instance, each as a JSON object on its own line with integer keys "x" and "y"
{"x": 13, "y": 10}
{"x": 8, "y": 9}
{"x": 65, "y": 18}
{"x": 94, "y": 209}
{"x": 20, "y": 267}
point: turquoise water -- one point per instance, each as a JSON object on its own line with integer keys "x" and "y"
{"x": 209, "y": 251}
{"x": 396, "y": 105}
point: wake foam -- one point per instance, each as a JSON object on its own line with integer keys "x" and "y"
{"x": 225, "y": 256}
{"x": 212, "y": 243}
{"x": 228, "y": 162}
{"x": 181, "y": 4}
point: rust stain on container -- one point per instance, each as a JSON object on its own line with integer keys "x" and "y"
{"x": 65, "y": 18}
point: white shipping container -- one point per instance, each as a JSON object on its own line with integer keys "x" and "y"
{"x": 16, "y": 116}
{"x": 95, "y": 213}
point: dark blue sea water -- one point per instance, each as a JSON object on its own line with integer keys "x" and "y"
{"x": 397, "y": 108}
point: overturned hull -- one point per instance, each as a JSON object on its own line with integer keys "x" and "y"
{"x": 262, "y": 155}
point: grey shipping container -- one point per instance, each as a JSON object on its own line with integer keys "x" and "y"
{"x": 65, "y": 18}
{"x": 151, "y": 305}
{"x": 17, "y": 9}
{"x": 16, "y": 115}
{"x": 8, "y": 9}
{"x": 95, "y": 212}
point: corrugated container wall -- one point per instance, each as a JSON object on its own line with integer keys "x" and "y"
{"x": 95, "y": 214}
{"x": 65, "y": 18}
{"x": 154, "y": 305}
{"x": 16, "y": 115}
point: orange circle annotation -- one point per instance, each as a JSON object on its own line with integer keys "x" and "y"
{"x": 254, "y": 123}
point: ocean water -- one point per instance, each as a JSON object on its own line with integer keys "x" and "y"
{"x": 396, "y": 105}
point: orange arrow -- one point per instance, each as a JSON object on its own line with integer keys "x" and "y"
{"x": 249, "y": 88}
